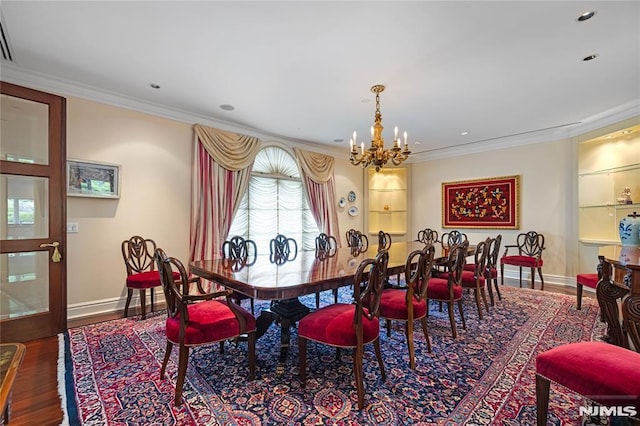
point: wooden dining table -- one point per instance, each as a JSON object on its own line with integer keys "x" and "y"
{"x": 308, "y": 273}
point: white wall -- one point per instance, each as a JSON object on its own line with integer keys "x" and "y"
{"x": 547, "y": 198}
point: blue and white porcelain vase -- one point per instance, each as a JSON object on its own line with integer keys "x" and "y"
{"x": 630, "y": 230}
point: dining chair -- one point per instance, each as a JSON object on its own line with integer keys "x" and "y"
{"x": 349, "y": 325}
{"x": 199, "y": 319}
{"x": 428, "y": 236}
{"x": 451, "y": 238}
{"x": 384, "y": 240}
{"x": 245, "y": 253}
{"x": 410, "y": 304}
{"x": 356, "y": 239}
{"x": 475, "y": 279}
{"x": 282, "y": 249}
{"x": 137, "y": 253}
{"x": 449, "y": 290}
{"x": 589, "y": 280}
{"x": 491, "y": 271}
{"x": 326, "y": 246}
{"x": 530, "y": 246}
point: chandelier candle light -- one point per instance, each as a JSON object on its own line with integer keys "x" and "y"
{"x": 376, "y": 155}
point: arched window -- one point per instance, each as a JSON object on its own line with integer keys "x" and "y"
{"x": 275, "y": 203}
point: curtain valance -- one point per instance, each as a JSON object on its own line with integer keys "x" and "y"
{"x": 231, "y": 150}
{"x": 317, "y": 167}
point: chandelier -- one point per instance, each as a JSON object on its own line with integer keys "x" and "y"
{"x": 376, "y": 155}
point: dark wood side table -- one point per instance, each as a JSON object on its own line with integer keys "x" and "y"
{"x": 11, "y": 355}
{"x": 619, "y": 286}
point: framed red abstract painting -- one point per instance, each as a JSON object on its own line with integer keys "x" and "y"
{"x": 481, "y": 203}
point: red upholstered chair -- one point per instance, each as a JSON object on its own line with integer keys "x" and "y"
{"x": 607, "y": 374}
{"x": 475, "y": 278}
{"x": 530, "y": 247}
{"x": 137, "y": 253}
{"x": 410, "y": 304}
{"x": 449, "y": 290}
{"x": 590, "y": 280}
{"x": 350, "y": 325}
{"x": 199, "y": 319}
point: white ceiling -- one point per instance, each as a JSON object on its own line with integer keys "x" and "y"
{"x": 302, "y": 70}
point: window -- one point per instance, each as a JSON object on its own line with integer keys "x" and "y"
{"x": 275, "y": 203}
{"x": 20, "y": 211}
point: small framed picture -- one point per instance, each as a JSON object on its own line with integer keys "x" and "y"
{"x": 92, "y": 179}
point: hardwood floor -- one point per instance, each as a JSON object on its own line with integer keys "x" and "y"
{"x": 35, "y": 395}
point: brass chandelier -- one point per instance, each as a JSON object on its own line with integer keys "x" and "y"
{"x": 376, "y": 155}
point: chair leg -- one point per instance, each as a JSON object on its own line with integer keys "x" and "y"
{"x": 167, "y": 355}
{"x": 302, "y": 359}
{"x": 476, "y": 295}
{"x": 376, "y": 346}
{"x": 388, "y": 328}
{"x": 578, "y": 296}
{"x": 541, "y": 279}
{"x": 542, "y": 400}
{"x": 221, "y": 346}
{"x": 183, "y": 360}
{"x": 151, "y": 291}
{"x": 251, "y": 347}
{"x": 502, "y": 273}
{"x": 318, "y": 300}
{"x": 452, "y": 320}
{"x": 533, "y": 278}
{"x": 358, "y": 354}
{"x": 425, "y": 330}
{"x": 488, "y": 281}
{"x": 464, "y": 323}
{"x": 409, "y": 333}
{"x": 252, "y": 306}
{"x": 126, "y": 305}
{"x": 143, "y": 303}
{"x": 335, "y": 295}
{"x": 495, "y": 283}
{"x": 483, "y": 294}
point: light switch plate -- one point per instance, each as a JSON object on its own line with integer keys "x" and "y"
{"x": 72, "y": 227}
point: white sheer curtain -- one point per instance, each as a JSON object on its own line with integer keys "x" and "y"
{"x": 221, "y": 171}
{"x": 275, "y": 203}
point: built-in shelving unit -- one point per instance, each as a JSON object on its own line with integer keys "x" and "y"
{"x": 387, "y": 202}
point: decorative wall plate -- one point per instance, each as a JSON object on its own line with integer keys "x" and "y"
{"x": 342, "y": 202}
{"x": 353, "y": 211}
{"x": 352, "y": 196}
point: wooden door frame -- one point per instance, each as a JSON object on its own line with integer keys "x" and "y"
{"x": 54, "y": 321}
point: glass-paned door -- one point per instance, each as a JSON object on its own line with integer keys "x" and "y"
{"x": 32, "y": 214}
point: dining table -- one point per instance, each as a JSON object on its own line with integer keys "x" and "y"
{"x": 308, "y": 273}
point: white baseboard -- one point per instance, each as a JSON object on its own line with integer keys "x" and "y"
{"x": 105, "y": 306}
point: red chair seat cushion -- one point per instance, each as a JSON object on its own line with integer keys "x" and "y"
{"x": 147, "y": 279}
{"x": 472, "y": 267}
{"x": 393, "y": 305}
{"x": 525, "y": 261}
{"x": 468, "y": 279}
{"x": 589, "y": 280}
{"x": 603, "y": 372}
{"x": 333, "y": 325}
{"x": 209, "y": 321}
{"x": 438, "y": 289}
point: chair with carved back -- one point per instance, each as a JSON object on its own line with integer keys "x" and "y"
{"x": 356, "y": 239}
{"x": 199, "y": 319}
{"x": 410, "y": 304}
{"x": 451, "y": 238}
{"x": 326, "y": 246}
{"x": 384, "y": 240}
{"x": 449, "y": 290}
{"x": 529, "y": 246}
{"x": 137, "y": 253}
{"x": 428, "y": 236}
{"x": 476, "y": 279}
{"x": 349, "y": 325}
{"x": 491, "y": 271}
{"x": 244, "y": 252}
{"x": 282, "y": 249}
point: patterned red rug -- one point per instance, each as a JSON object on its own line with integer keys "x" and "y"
{"x": 486, "y": 376}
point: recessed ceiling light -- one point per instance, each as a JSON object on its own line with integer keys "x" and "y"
{"x": 465, "y": 133}
{"x": 227, "y": 107}
{"x": 154, "y": 85}
{"x": 590, "y": 57}
{"x": 338, "y": 140}
{"x": 585, "y": 16}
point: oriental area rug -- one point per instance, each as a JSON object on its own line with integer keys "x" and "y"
{"x": 485, "y": 376}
